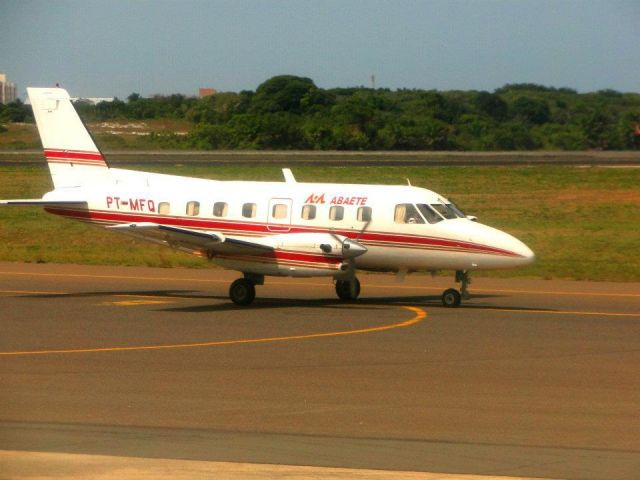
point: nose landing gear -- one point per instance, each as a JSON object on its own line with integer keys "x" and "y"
{"x": 451, "y": 298}
{"x": 348, "y": 290}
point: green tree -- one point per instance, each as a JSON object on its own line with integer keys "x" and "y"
{"x": 16, "y": 112}
{"x": 532, "y": 110}
{"x": 492, "y": 105}
{"x": 283, "y": 93}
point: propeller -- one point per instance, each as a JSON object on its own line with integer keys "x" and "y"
{"x": 351, "y": 248}
{"x": 366, "y": 225}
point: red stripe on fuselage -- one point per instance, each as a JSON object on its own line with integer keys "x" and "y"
{"x": 255, "y": 229}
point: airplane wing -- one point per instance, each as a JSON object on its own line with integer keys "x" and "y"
{"x": 191, "y": 240}
{"x": 27, "y": 202}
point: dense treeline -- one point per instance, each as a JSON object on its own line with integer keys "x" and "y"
{"x": 14, "y": 112}
{"x": 289, "y": 112}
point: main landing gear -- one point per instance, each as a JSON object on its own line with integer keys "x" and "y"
{"x": 348, "y": 290}
{"x": 243, "y": 290}
{"x": 451, "y": 297}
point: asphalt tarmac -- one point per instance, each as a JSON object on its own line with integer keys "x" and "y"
{"x": 528, "y": 378}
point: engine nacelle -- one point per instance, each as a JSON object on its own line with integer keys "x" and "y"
{"x": 299, "y": 255}
{"x": 318, "y": 243}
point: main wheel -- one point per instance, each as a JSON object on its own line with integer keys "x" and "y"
{"x": 451, "y": 298}
{"x": 242, "y": 292}
{"x": 348, "y": 290}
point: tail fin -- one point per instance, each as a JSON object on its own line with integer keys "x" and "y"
{"x": 73, "y": 157}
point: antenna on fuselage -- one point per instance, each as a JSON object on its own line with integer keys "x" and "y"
{"x": 409, "y": 182}
{"x": 288, "y": 175}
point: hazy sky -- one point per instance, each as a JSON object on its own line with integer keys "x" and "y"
{"x": 114, "y": 47}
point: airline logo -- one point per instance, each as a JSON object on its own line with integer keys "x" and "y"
{"x": 315, "y": 198}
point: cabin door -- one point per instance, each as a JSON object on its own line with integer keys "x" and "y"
{"x": 279, "y": 219}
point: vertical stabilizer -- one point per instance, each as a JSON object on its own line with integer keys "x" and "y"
{"x": 73, "y": 157}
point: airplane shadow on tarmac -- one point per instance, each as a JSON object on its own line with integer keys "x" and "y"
{"x": 224, "y": 304}
{"x": 430, "y": 301}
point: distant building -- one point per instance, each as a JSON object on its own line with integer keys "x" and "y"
{"x": 207, "y": 92}
{"x": 7, "y": 90}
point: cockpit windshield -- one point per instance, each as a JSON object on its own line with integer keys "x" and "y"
{"x": 456, "y": 210}
{"x": 428, "y": 213}
{"x": 434, "y": 213}
{"x": 444, "y": 210}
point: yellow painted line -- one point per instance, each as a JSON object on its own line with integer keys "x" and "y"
{"x": 30, "y": 292}
{"x": 419, "y": 315}
{"x": 135, "y": 303}
{"x": 385, "y": 286}
{"x": 489, "y": 290}
{"x": 34, "y": 292}
{"x": 556, "y": 312}
{"x": 113, "y": 277}
{"x": 144, "y": 296}
{"x": 544, "y": 292}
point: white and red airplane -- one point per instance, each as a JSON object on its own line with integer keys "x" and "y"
{"x": 266, "y": 228}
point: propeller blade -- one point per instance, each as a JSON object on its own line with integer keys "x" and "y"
{"x": 366, "y": 225}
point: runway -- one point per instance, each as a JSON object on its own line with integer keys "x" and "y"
{"x": 528, "y": 378}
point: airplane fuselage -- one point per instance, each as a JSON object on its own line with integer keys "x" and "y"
{"x": 286, "y": 215}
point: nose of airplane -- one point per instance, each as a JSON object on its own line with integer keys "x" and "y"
{"x": 509, "y": 251}
{"x": 518, "y": 254}
{"x": 525, "y": 254}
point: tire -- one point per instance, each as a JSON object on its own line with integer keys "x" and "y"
{"x": 242, "y": 292}
{"x": 451, "y": 298}
{"x": 348, "y": 290}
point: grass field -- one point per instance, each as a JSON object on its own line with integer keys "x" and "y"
{"x": 583, "y": 223}
{"x": 114, "y": 134}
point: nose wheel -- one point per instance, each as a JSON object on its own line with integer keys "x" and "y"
{"x": 348, "y": 290}
{"x": 451, "y": 297}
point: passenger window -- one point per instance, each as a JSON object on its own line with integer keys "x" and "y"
{"x": 336, "y": 213}
{"x": 249, "y": 210}
{"x": 164, "y": 208}
{"x": 364, "y": 214}
{"x": 279, "y": 211}
{"x": 407, "y": 213}
{"x": 308, "y": 212}
{"x": 193, "y": 208}
{"x": 220, "y": 209}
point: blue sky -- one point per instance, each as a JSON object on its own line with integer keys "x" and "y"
{"x": 114, "y": 47}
